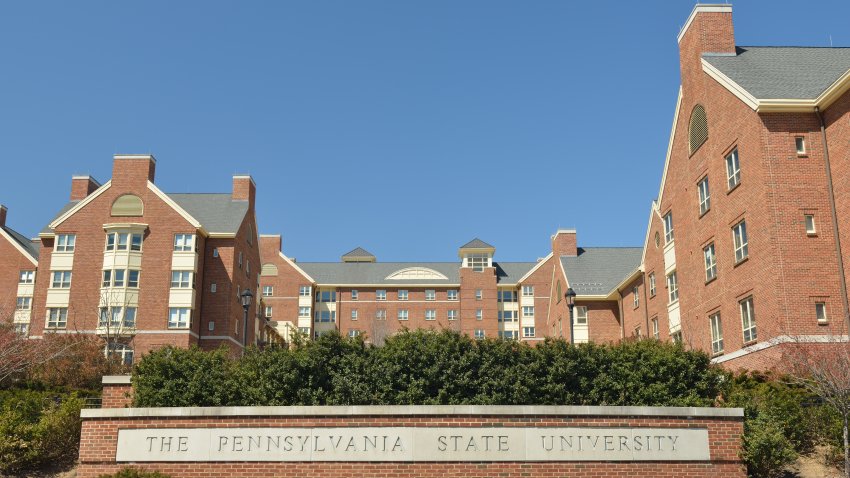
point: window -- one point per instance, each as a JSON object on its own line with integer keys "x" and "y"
{"x": 478, "y": 261}
{"x": 136, "y": 242}
{"x": 508, "y": 334}
{"x": 748, "y": 319}
{"x": 733, "y": 169}
{"x": 452, "y": 314}
{"x": 118, "y": 276}
{"x": 57, "y": 318}
{"x": 697, "y": 128}
{"x": 23, "y": 303}
{"x": 303, "y": 312}
{"x": 268, "y": 291}
{"x": 528, "y": 332}
{"x": 636, "y": 296}
{"x": 716, "y": 333}
{"x": 676, "y": 337}
{"x": 65, "y": 242}
{"x": 528, "y": 311}
{"x": 739, "y": 237}
{"x": 652, "y": 284}
{"x": 110, "y": 242}
{"x": 61, "y": 279}
{"x": 381, "y": 314}
{"x": 431, "y": 314}
{"x": 22, "y": 329}
{"x": 184, "y": 242}
{"x": 107, "y": 279}
{"x": 26, "y": 277}
{"x": 507, "y": 296}
{"x": 479, "y": 314}
{"x": 655, "y": 332}
{"x": 479, "y": 334}
{"x": 380, "y": 294}
{"x": 354, "y": 294}
{"x": 508, "y": 316}
{"x": 402, "y": 294}
{"x": 212, "y": 287}
{"x": 182, "y": 280}
{"x": 479, "y": 294}
{"x": 430, "y": 294}
{"x": 179, "y": 318}
{"x": 810, "y": 224}
{"x": 117, "y": 317}
{"x": 581, "y": 315}
{"x": 637, "y": 332}
{"x": 305, "y": 331}
{"x": 353, "y": 333}
{"x": 528, "y": 291}
{"x": 704, "y": 196}
{"x": 304, "y": 291}
{"x": 121, "y": 352}
{"x": 326, "y": 296}
{"x": 672, "y": 287}
{"x": 451, "y": 295}
{"x": 820, "y": 312}
{"x": 268, "y": 311}
{"x": 668, "y": 227}
{"x": 800, "y": 144}
{"x": 132, "y": 278}
{"x": 710, "y": 262}
{"x": 403, "y": 314}
{"x": 353, "y": 314}
{"x": 215, "y": 251}
{"x": 123, "y": 241}
{"x": 326, "y": 316}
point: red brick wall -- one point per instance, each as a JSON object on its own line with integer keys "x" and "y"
{"x": 98, "y": 447}
{"x": 635, "y": 317}
{"x": 541, "y": 280}
{"x": 12, "y": 262}
{"x": 116, "y": 395}
{"x": 286, "y": 283}
{"x": 470, "y": 281}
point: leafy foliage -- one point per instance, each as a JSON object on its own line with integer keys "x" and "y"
{"x": 135, "y": 473}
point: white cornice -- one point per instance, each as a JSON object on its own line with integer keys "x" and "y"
{"x": 702, "y": 8}
{"x": 179, "y": 210}
{"x": 670, "y": 147}
{"x": 70, "y": 212}
{"x": 295, "y": 266}
{"x": 18, "y": 246}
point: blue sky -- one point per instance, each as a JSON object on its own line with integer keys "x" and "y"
{"x": 404, "y": 127}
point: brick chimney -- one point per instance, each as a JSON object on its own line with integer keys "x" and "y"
{"x": 129, "y": 170}
{"x": 564, "y": 243}
{"x": 244, "y": 189}
{"x": 707, "y": 30}
{"x": 82, "y": 186}
{"x": 3, "y": 211}
{"x": 270, "y": 246}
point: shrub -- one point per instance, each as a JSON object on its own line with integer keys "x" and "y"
{"x": 176, "y": 377}
{"x": 766, "y": 450}
{"x": 135, "y": 473}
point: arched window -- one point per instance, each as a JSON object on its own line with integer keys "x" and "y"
{"x": 698, "y": 128}
{"x": 268, "y": 269}
{"x": 128, "y": 205}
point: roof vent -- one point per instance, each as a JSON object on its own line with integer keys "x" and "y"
{"x": 698, "y": 128}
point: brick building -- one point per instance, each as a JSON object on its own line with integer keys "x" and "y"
{"x": 137, "y": 266}
{"x": 18, "y": 264}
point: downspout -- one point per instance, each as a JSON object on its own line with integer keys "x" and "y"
{"x": 834, "y": 213}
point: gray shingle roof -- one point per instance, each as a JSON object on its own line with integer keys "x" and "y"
{"x": 512, "y": 272}
{"x": 598, "y": 270}
{"x": 358, "y": 252}
{"x": 217, "y": 212}
{"x": 476, "y": 244}
{"x": 354, "y": 273}
{"x": 27, "y": 244}
{"x": 783, "y": 72}
{"x": 65, "y": 208}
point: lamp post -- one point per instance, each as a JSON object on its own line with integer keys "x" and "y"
{"x": 571, "y": 303}
{"x": 246, "y": 304}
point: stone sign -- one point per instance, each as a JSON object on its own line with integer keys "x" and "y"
{"x": 412, "y": 444}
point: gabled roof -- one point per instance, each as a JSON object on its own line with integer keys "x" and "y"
{"x": 509, "y": 273}
{"x": 65, "y": 208}
{"x": 598, "y": 270}
{"x": 26, "y": 244}
{"x": 477, "y": 244}
{"x": 358, "y": 253}
{"x": 783, "y": 72}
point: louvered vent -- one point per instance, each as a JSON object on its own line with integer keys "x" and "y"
{"x": 698, "y": 128}
{"x": 268, "y": 269}
{"x": 128, "y": 205}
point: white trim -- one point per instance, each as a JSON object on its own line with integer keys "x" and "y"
{"x": 70, "y": 212}
{"x": 221, "y": 235}
{"x": 295, "y": 266}
{"x": 116, "y": 380}
{"x": 385, "y": 284}
{"x": 669, "y": 148}
{"x": 730, "y": 85}
{"x": 221, "y": 337}
{"x": 537, "y": 266}
{"x": 439, "y": 275}
{"x": 19, "y": 247}
{"x": 179, "y": 210}
{"x": 134, "y": 156}
{"x": 781, "y": 339}
{"x": 702, "y": 8}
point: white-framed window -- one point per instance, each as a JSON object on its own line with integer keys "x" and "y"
{"x": 636, "y": 297}
{"x": 810, "y": 224}
{"x": 528, "y": 311}
{"x": 652, "y": 284}
{"x": 61, "y": 279}
{"x": 479, "y": 294}
{"x": 136, "y": 242}
{"x": 710, "y": 260}
{"x": 132, "y": 278}
{"x": 704, "y": 196}
{"x": 479, "y": 314}
{"x": 479, "y": 333}
{"x": 118, "y": 276}
{"x": 353, "y": 314}
{"x": 672, "y": 287}
{"x": 117, "y": 317}
{"x": 507, "y": 296}
{"x": 676, "y": 337}
{"x": 800, "y": 145}
{"x": 668, "y": 227}
{"x": 22, "y": 329}
{"x": 325, "y": 316}
{"x": 268, "y": 290}
{"x": 402, "y": 294}
{"x": 184, "y": 242}
{"x": 380, "y": 294}
{"x": 430, "y": 294}
{"x": 403, "y": 314}
{"x": 181, "y": 279}
{"x": 508, "y": 334}
{"x": 268, "y": 311}
{"x": 739, "y": 239}
{"x": 733, "y": 169}
{"x": 581, "y": 315}
{"x": 304, "y": 291}
{"x": 57, "y": 317}
{"x": 655, "y": 331}
{"x": 381, "y": 314}
{"x": 65, "y": 242}
{"x": 23, "y": 303}
{"x": 716, "y": 333}
{"x": 430, "y": 314}
{"x": 451, "y": 295}
{"x": 353, "y": 333}
{"x": 478, "y": 261}
{"x": 748, "y": 319}
{"x": 107, "y": 279}
{"x": 179, "y": 317}
{"x": 452, "y": 314}
{"x": 303, "y": 312}
{"x": 122, "y": 352}
{"x": 508, "y": 316}
{"x": 304, "y": 330}
{"x": 326, "y": 296}
{"x": 355, "y": 294}
{"x": 820, "y": 312}
{"x": 26, "y": 277}
{"x": 528, "y": 332}
{"x": 528, "y": 291}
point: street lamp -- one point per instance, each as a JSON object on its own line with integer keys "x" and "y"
{"x": 246, "y": 304}
{"x": 571, "y": 302}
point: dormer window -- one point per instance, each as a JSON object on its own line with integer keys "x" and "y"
{"x": 477, "y": 262}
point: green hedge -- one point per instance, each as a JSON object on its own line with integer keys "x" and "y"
{"x": 426, "y": 367}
